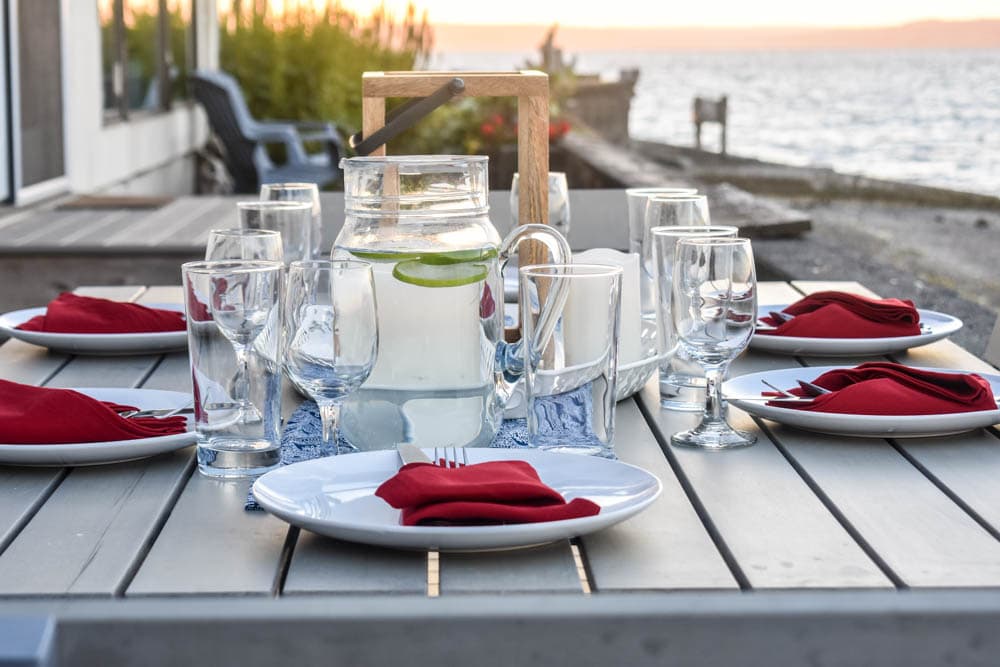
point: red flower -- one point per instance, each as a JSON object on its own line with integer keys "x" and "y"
{"x": 497, "y": 120}
{"x": 488, "y": 130}
{"x": 558, "y": 128}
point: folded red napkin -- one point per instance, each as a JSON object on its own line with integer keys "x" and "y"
{"x": 482, "y": 493}
{"x": 42, "y": 416}
{"x": 72, "y": 313}
{"x": 842, "y": 315}
{"x": 883, "y": 388}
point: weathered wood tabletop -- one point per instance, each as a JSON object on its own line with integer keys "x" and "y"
{"x": 803, "y": 549}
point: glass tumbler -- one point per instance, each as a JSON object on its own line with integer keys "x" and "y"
{"x": 571, "y": 355}
{"x": 234, "y": 341}
{"x": 558, "y": 202}
{"x": 682, "y": 381}
{"x": 300, "y": 192}
{"x": 292, "y": 219}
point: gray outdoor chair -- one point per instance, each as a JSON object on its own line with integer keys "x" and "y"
{"x": 245, "y": 139}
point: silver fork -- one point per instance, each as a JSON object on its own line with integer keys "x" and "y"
{"x": 449, "y": 457}
{"x": 779, "y": 390}
{"x": 163, "y": 412}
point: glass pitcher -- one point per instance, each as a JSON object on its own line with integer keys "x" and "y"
{"x": 443, "y": 371}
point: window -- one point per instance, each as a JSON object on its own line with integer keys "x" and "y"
{"x": 147, "y": 49}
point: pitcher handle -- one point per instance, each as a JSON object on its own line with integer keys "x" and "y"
{"x": 509, "y": 355}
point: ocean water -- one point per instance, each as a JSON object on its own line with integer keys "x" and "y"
{"x": 923, "y": 116}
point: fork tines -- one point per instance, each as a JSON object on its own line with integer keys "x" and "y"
{"x": 449, "y": 457}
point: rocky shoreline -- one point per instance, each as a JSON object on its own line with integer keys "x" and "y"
{"x": 935, "y": 246}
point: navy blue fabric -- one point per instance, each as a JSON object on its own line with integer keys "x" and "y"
{"x": 302, "y": 438}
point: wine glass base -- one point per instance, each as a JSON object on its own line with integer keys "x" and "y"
{"x": 714, "y": 436}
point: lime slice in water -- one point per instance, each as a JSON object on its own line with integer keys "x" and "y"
{"x": 459, "y": 256}
{"x": 423, "y": 274}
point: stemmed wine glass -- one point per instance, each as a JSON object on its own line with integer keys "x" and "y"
{"x": 714, "y": 308}
{"x": 244, "y": 244}
{"x": 243, "y": 296}
{"x": 331, "y": 334}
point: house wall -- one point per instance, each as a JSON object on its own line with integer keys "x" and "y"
{"x": 151, "y": 153}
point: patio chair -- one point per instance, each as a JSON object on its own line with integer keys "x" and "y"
{"x": 245, "y": 139}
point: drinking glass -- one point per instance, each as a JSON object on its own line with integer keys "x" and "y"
{"x": 681, "y": 380}
{"x": 234, "y": 332}
{"x": 571, "y": 363}
{"x": 558, "y": 202}
{"x": 636, "y": 199}
{"x": 291, "y": 219}
{"x": 659, "y": 210}
{"x": 714, "y": 308}
{"x": 244, "y": 244}
{"x": 331, "y": 334}
{"x": 300, "y": 192}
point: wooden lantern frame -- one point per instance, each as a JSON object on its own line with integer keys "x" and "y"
{"x": 530, "y": 87}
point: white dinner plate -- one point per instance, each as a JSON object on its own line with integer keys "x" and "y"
{"x": 939, "y": 326}
{"x": 103, "y": 344}
{"x": 94, "y": 453}
{"x": 334, "y": 496}
{"x": 878, "y": 426}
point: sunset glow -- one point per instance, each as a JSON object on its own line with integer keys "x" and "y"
{"x": 642, "y": 13}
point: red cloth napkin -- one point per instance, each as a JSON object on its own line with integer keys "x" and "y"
{"x": 72, "y": 313}
{"x": 482, "y": 493}
{"x": 42, "y": 416}
{"x": 842, "y": 315}
{"x": 883, "y": 388}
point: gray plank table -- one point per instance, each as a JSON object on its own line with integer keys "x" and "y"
{"x": 804, "y": 549}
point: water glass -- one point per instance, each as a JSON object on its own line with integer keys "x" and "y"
{"x": 331, "y": 334}
{"x": 636, "y": 199}
{"x": 300, "y": 192}
{"x": 244, "y": 244}
{"x": 714, "y": 310}
{"x": 292, "y": 219}
{"x": 659, "y": 210}
{"x": 572, "y": 316}
{"x": 558, "y": 202}
{"x": 682, "y": 382}
{"x": 234, "y": 333}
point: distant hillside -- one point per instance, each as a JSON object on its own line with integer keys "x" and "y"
{"x": 983, "y": 33}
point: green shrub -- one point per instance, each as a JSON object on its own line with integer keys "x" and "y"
{"x": 306, "y": 64}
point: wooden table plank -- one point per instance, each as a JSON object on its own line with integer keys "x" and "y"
{"x": 916, "y": 529}
{"x": 87, "y": 535}
{"x": 919, "y": 531}
{"x": 210, "y": 544}
{"x": 324, "y": 565}
{"x": 550, "y": 569}
{"x": 666, "y": 546}
{"x": 779, "y": 533}
{"x": 23, "y": 490}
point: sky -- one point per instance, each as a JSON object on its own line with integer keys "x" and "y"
{"x": 709, "y": 13}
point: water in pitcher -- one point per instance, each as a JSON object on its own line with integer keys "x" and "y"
{"x": 434, "y": 382}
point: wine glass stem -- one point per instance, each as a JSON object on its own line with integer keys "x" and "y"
{"x": 241, "y": 383}
{"x": 713, "y": 393}
{"x": 329, "y": 413}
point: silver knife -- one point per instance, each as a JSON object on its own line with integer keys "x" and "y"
{"x": 412, "y": 454}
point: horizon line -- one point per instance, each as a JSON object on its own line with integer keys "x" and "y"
{"x": 761, "y": 26}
